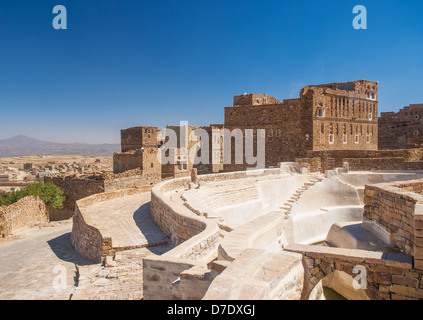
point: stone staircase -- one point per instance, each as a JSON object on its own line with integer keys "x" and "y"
{"x": 287, "y": 206}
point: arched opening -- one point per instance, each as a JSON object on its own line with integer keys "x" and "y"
{"x": 337, "y": 285}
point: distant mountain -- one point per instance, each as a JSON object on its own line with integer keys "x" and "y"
{"x": 21, "y": 145}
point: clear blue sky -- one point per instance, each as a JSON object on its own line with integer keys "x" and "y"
{"x": 134, "y": 62}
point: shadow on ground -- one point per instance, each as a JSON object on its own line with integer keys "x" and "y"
{"x": 62, "y": 248}
{"x": 148, "y": 228}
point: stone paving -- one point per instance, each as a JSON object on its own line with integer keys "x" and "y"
{"x": 127, "y": 221}
{"x": 121, "y": 282}
{"x": 33, "y": 261}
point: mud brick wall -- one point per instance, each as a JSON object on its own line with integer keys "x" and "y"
{"x": 27, "y": 212}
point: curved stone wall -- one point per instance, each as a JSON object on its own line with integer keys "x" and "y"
{"x": 85, "y": 237}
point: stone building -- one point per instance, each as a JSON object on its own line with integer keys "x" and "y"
{"x": 147, "y": 159}
{"x": 137, "y": 137}
{"x": 396, "y": 129}
{"x": 185, "y": 148}
{"x": 335, "y": 116}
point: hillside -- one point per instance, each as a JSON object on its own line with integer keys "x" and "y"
{"x": 25, "y": 146}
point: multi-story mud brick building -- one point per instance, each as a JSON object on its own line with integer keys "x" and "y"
{"x": 397, "y": 129}
{"x": 335, "y": 116}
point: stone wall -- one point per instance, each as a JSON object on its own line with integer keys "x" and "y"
{"x": 374, "y": 164}
{"x": 74, "y": 188}
{"x": 397, "y": 209}
{"x": 314, "y": 164}
{"x": 178, "y": 226}
{"x": 337, "y": 116}
{"x": 406, "y": 159}
{"x": 388, "y": 276}
{"x": 85, "y": 237}
{"x": 397, "y": 129}
{"x": 79, "y": 187}
{"x": 137, "y": 137}
{"x": 27, "y": 212}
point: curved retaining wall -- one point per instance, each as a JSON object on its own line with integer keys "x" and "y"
{"x": 175, "y": 274}
{"x": 85, "y": 237}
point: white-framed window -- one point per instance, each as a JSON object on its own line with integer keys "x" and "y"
{"x": 416, "y": 133}
{"x": 357, "y": 139}
{"x": 416, "y": 117}
{"x": 370, "y": 116}
{"x": 331, "y": 139}
{"x": 278, "y": 132}
{"x": 368, "y": 138}
{"x": 270, "y": 133}
{"x": 344, "y": 138}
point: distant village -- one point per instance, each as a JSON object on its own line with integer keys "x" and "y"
{"x": 18, "y": 173}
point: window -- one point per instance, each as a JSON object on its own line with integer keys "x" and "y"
{"x": 320, "y": 112}
{"x": 416, "y": 117}
{"x": 270, "y": 133}
{"x": 370, "y": 117}
{"x": 357, "y": 139}
{"x": 322, "y": 128}
{"x": 344, "y": 139}
{"x": 331, "y": 139}
{"x": 278, "y": 132}
{"x": 416, "y": 133}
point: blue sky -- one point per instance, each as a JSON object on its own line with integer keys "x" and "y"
{"x": 126, "y": 63}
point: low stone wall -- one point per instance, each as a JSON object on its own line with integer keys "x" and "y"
{"x": 398, "y": 209}
{"x": 374, "y": 164}
{"x": 27, "y": 212}
{"x": 389, "y": 276}
{"x": 314, "y": 163}
{"x": 404, "y": 159}
{"x": 85, "y": 237}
